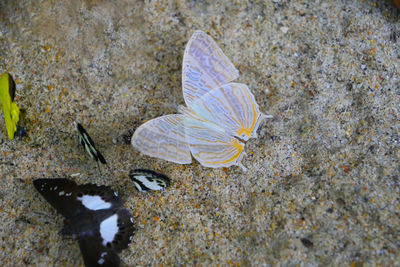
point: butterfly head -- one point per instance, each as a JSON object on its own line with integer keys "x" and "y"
{"x": 245, "y": 134}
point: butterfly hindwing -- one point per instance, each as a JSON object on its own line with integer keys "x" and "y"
{"x": 164, "y": 138}
{"x": 114, "y": 234}
{"x": 146, "y": 180}
{"x": 117, "y": 230}
{"x": 213, "y": 147}
{"x": 95, "y": 254}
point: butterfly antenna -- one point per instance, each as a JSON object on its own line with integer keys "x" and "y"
{"x": 98, "y": 166}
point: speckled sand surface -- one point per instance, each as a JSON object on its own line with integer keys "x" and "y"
{"x": 323, "y": 180}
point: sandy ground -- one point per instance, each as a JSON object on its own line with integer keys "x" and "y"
{"x": 322, "y": 186}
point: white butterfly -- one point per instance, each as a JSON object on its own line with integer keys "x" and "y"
{"x": 218, "y": 113}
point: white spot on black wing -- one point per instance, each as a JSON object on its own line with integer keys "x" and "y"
{"x": 107, "y": 229}
{"x": 94, "y": 202}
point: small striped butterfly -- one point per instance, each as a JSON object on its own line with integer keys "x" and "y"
{"x": 88, "y": 145}
{"x": 218, "y": 116}
{"x": 147, "y": 180}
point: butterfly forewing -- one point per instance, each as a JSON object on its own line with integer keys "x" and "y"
{"x": 204, "y": 68}
{"x": 164, "y": 138}
{"x": 95, "y": 197}
{"x": 61, "y": 194}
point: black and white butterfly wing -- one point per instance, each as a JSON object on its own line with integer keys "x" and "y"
{"x": 61, "y": 194}
{"x": 117, "y": 231}
{"x": 146, "y": 180}
{"x": 114, "y": 234}
{"x": 94, "y": 197}
{"x": 88, "y": 144}
{"x": 96, "y": 218}
{"x": 95, "y": 254}
{"x": 70, "y": 200}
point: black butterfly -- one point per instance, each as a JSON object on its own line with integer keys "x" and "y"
{"x": 146, "y": 180}
{"x": 96, "y": 218}
{"x": 88, "y": 145}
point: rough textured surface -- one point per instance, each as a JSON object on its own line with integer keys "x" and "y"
{"x": 323, "y": 180}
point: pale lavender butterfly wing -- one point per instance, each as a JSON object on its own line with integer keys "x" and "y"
{"x": 204, "y": 68}
{"x": 233, "y": 107}
{"x": 210, "y": 145}
{"x": 164, "y": 138}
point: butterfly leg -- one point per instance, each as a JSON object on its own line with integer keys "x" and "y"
{"x": 264, "y": 116}
{"x": 66, "y": 230}
{"x": 244, "y": 169}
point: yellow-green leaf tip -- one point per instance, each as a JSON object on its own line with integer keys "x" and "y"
{"x": 10, "y": 109}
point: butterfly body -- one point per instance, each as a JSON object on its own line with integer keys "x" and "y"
{"x": 86, "y": 223}
{"x": 219, "y": 114}
{"x": 95, "y": 217}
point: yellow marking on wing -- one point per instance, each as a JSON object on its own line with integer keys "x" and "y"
{"x": 238, "y": 145}
{"x": 248, "y": 131}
